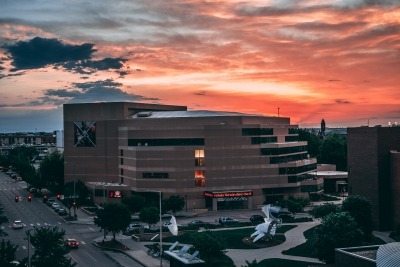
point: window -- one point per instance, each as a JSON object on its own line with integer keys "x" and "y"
{"x": 167, "y": 142}
{"x": 199, "y": 153}
{"x": 257, "y": 131}
{"x": 291, "y": 138}
{"x": 199, "y": 162}
{"x": 263, "y": 140}
{"x": 199, "y": 174}
{"x": 199, "y": 183}
{"x": 155, "y": 175}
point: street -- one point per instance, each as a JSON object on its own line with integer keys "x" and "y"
{"x": 36, "y": 214}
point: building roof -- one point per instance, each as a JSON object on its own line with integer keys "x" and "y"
{"x": 187, "y": 114}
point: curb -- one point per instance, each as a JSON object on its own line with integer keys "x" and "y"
{"x": 119, "y": 251}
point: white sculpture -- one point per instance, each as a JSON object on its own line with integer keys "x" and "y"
{"x": 173, "y": 226}
{"x": 268, "y": 227}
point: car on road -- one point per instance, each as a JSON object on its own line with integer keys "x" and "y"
{"x": 17, "y": 224}
{"x": 256, "y": 219}
{"x": 227, "y": 220}
{"x": 71, "y": 243}
{"x": 62, "y": 211}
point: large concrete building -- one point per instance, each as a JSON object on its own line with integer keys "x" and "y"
{"x": 374, "y": 171}
{"x": 216, "y": 160}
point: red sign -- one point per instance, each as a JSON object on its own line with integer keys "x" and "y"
{"x": 114, "y": 194}
{"x": 228, "y": 194}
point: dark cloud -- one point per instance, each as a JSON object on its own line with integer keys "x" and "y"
{"x": 40, "y": 52}
{"x": 103, "y": 90}
{"x": 342, "y": 101}
{"x": 91, "y": 66}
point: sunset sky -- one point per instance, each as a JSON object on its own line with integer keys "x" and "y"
{"x": 337, "y": 60}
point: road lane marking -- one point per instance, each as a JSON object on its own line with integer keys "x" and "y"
{"x": 59, "y": 223}
{"x": 72, "y": 257}
{"x": 31, "y": 224}
{"x": 83, "y": 242}
{"x": 91, "y": 229}
{"x": 90, "y": 256}
{"x": 38, "y": 224}
{"x": 23, "y": 247}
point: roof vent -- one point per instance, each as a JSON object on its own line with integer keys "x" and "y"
{"x": 144, "y": 114}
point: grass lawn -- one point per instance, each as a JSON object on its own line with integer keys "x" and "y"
{"x": 234, "y": 237}
{"x": 306, "y": 249}
{"x": 284, "y": 263}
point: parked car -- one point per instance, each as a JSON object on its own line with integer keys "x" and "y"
{"x": 17, "y": 224}
{"x": 196, "y": 224}
{"x": 256, "y": 219}
{"x": 71, "y": 243}
{"x": 227, "y": 220}
{"x": 134, "y": 227}
{"x": 62, "y": 211}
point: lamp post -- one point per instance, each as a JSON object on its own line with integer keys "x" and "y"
{"x": 161, "y": 250}
{"x": 73, "y": 173}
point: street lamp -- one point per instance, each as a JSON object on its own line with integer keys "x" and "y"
{"x": 161, "y": 250}
{"x": 28, "y": 233}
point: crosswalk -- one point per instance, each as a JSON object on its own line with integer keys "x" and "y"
{"x": 34, "y": 224}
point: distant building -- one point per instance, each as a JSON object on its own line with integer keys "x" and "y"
{"x": 44, "y": 142}
{"x": 216, "y": 160}
{"x": 374, "y": 171}
{"x": 334, "y": 181}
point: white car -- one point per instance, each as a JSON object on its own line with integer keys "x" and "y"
{"x": 17, "y": 225}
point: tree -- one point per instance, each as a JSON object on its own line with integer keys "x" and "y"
{"x": 3, "y": 219}
{"x": 149, "y": 215}
{"x": 336, "y": 230}
{"x": 52, "y": 171}
{"x": 114, "y": 217}
{"x": 313, "y": 142}
{"x": 174, "y": 203}
{"x": 360, "y": 209}
{"x": 134, "y": 203}
{"x": 7, "y": 253}
{"x": 324, "y": 210}
{"x": 295, "y": 205}
{"x": 211, "y": 247}
{"x": 334, "y": 151}
{"x": 50, "y": 249}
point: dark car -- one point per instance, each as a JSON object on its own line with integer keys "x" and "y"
{"x": 196, "y": 224}
{"x": 227, "y": 220}
{"x": 256, "y": 218}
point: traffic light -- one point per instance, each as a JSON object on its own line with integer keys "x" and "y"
{"x": 45, "y": 199}
{"x": 16, "y": 199}
{"x": 29, "y": 198}
{"x": 58, "y": 197}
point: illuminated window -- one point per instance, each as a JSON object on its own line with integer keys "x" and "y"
{"x": 198, "y": 174}
{"x": 199, "y": 153}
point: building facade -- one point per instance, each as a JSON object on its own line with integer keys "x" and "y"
{"x": 373, "y": 170}
{"x": 216, "y": 160}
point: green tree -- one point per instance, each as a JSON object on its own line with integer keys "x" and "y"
{"x": 3, "y": 219}
{"x": 360, "y": 209}
{"x": 313, "y": 141}
{"x": 50, "y": 249}
{"x": 51, "y": 172}
{"x": 21, "y": 160}
{"x": 7, "y": 253}
{"x": 323, "y": 210}
{"x": 174, "y": 203}
{"x": 211, "y": 247}
{"x": 150, "y": 215}
{"x": 334, "y": 151}
{"x": 295, "y": 205}
{"x": 114, "y": 217}
{"x": 336, "y": 230}
{"x": 134, "y": 203}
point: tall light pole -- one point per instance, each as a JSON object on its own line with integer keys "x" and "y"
{"x": 161, "y": 250}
